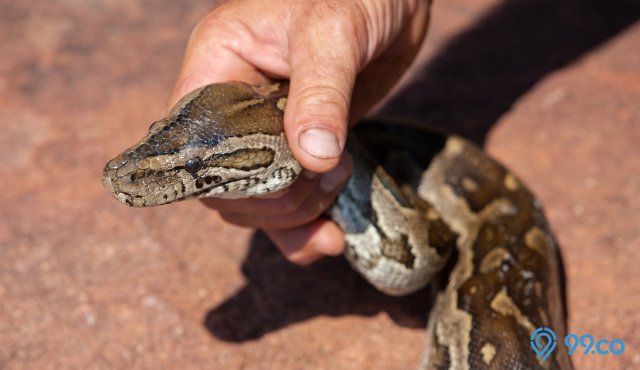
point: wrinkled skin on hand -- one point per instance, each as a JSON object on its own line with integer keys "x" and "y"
{"x": 341, "y": 58}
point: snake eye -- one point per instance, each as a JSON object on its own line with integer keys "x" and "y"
{"x": 193, "y": 165}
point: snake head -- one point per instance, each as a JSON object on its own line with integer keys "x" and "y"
{"x": 222, "y": 140}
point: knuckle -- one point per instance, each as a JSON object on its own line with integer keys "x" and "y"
{"x": 341, "y": 13}
{"x": 237, "y": 219}
{"x": 299, "y": 259}
{"x": 222, "y": 26}
{"x": 323, "y": 94}
{"x": 288, "y": 204}
{"x": 324, "y": 101}
{"x": 314, "y": 209}
{"x": 346, "y": 22}
{"x": 341, "y": 23}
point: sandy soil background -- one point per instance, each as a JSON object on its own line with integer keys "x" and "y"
{"x": 552, "y": 89}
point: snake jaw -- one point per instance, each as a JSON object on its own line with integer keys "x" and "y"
{"x": 143, "y": 182}
{"x": 138, "y": 183}
{"x": 123, "y": 198}
{"x": 110, "y": 180}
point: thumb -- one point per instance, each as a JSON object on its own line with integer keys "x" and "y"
{"x": 323, "y": 72}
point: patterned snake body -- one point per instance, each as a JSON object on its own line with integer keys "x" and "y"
{"x": 416, "y": 199}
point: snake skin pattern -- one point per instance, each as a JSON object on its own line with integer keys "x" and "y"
{"x": 416, "y": 202}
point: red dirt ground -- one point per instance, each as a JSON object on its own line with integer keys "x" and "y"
{"x": 552, "y": 87}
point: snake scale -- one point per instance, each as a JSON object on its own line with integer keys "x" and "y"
{"x": 417, "y": 200}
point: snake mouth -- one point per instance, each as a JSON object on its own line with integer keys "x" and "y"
{"x": 122, "y": 197}
{"x": 163, "y": 187}
{"x": 163, "y": 196}
{"x": 137, "y": 188}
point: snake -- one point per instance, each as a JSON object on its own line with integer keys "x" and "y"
{"x": 421, "y": 208}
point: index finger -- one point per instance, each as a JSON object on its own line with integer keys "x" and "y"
{"x": 210, "y": 57}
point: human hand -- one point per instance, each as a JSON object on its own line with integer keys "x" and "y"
{"x": 341, "y": 57}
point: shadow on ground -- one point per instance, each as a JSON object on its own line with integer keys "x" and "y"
{"x": 481, "y": 73}
{"x": 279, "y": 293}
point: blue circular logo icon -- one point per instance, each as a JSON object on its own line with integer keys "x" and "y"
{"x": 543, "y": 342}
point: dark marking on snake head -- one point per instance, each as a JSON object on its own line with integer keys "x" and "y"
{"x": 199, "y": 183}
{"x": 244, "y": 159}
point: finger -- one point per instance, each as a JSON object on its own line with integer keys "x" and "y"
{"x": 323, "y": 71}
{"x": 329, "y": 186}
{"x": 289, "y": 200}
{"x": 308, "y": 243}
{"x": 210, "y": 56}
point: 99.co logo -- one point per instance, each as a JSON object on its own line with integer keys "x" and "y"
{"x": 543, "y": 342}
{"x": 591, "y": 346}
